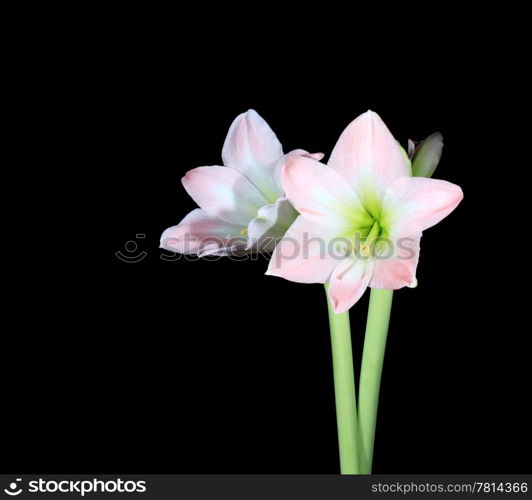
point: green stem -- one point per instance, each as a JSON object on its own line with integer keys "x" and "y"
{"x": 344, "y": 389}
{"x": 380, "y": 305}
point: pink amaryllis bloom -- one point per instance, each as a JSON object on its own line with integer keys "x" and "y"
{"x": 361, "y": 216}
{"x": 242, "y": 207}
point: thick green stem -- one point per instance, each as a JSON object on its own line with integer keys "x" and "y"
{"x": 380, "y": 305}
{"x": 344, "y": 389}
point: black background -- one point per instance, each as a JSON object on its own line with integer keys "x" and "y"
{"x": 212, "y": 367}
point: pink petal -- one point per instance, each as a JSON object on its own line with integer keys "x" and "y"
{"x": 275, "y": 171}
{"x": 201, "y": 233}
{"x": 322, "y": 195}
{"x": 413, "y": 204}
{"x": 302, "y": 152}
{"x": 398, "y": 270}
{"x": 305, "y": 254}
{"x": 348, "y": 282}
{"x": 367, "y": 152}
{"x": 252, "y": 148}
{"x": 225, "y": 193}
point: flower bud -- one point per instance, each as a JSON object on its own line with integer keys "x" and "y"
{"x": 426, "y": 155}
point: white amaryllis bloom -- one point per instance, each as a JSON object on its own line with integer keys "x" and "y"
{"x": 365, "y": 200}
{"x": 242, "y": 207}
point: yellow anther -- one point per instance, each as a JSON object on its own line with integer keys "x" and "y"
{"x": 244, "y": 232}
{"x": 365, "y": 250}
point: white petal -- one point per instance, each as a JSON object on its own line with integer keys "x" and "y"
{"x": 225, "y": 193}
{"x": 200, "y": 233}
{"x": 252, "y": 148}
{"x": 271, "y": 224}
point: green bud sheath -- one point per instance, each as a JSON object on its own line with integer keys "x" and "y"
{"x": 427, "y": 156}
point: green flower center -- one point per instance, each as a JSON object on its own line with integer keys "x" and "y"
{"x": 369, "y": 238}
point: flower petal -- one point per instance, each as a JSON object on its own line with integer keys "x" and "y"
{"x": 252, "y": 148}
{"x": 201, "y": 233}
{"x": 349, "y": 280}
{"x": 271, "y": 224}
{"x": 275, "y": 171}
{"x": 302, "y": 152}
{"x": 306, "y": 253}
{"x": 413, "y": 204}
{"x": 398, "y": 270}
{"x": 225, "y": 193}
{"x": 367, "y": 152}
{"x": 321, "y": 194}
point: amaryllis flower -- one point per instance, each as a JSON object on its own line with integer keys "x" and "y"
{"x": 242, "y": 208}
{"x": 361, "y": 216}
